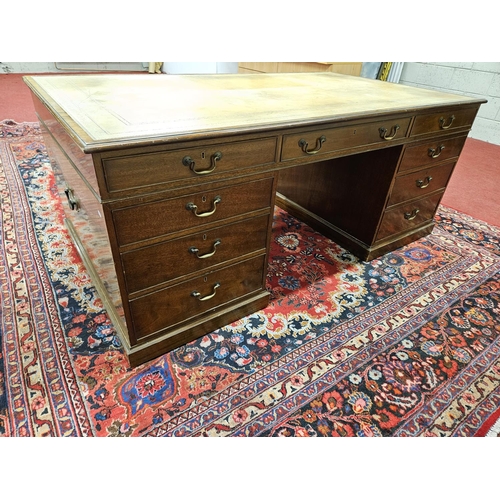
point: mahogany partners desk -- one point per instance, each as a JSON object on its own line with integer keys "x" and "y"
{"x": 169, "y": 182}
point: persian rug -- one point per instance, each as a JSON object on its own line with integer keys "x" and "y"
{"x": 406, "y": 345}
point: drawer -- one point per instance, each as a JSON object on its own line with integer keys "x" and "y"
{"x": 418, "y": 183}
{"x": 323, "y": 141}
{"x": 153, "y": 168}
{"x": 405, "y": 217}
{"x": 163, "y": 262}
{"x": 84, "y": 213}
{"x": 150, "y": 220}
{"x": 190, "y": 299}
{"x": 443, "y": 121}
{"x": 431, "y": 152}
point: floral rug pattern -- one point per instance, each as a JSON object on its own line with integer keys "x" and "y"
{"x": 406, "y": 345}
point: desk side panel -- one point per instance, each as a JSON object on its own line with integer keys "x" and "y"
{"x": 85, "y": 221}
{"x": 67, "y": 146}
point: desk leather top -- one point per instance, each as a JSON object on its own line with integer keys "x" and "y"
{"x": 110, "y": 111}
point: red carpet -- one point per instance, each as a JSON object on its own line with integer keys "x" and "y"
{"x": 474, "y": 187}
{"x": 15, "y": 100}
{"x": 407, "y": 345}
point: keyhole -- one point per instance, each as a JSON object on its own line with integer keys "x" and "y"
{"x": 203, "y": 199}
{"x": 203, "y": 155}
{"x": 204, "y": 237}
{"x": 205, "y": 279}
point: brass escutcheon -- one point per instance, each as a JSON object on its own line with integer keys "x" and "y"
{"x": 197, "y": 295}
{"x": 383, "y": 132}
{"x": 411, "y": 215}
{"x": 189, "y": 162}
{"x": 434, "y": 153}
{"x": 195, "y": 250}
{"x": 423, "y": 183}
{"x": 319, "y": 142}
{"x": 193, "y": 208}
{"x": 442, "y": 122}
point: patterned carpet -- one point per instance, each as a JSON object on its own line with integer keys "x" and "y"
{"x": 406, "y": 345}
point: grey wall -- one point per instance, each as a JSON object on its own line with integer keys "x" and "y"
{"x": 467, "y": 78}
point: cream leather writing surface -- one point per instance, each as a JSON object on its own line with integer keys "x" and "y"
{"x": 102, "y": 109}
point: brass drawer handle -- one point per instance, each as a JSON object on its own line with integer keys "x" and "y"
{"x": 72, "y": 200}
{"x": 206, "y": 255}
{"x": 189, "y": 162}
{"x": 442, "y": 122}
{"x": 191, "y": 206}
{"x": 383, "y": 133}
{"x": 434, "y": 153}
{"x": 197, "y": 295}
{"x": 422, "y": 184}
{"x": 319, "y": 142}
{"x": 411, "y": 215}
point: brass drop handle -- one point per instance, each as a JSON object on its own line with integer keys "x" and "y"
{"x": 423, "y": 183}
{"x": 434, "y": 153}
{"x": 319, "y": 142}
{"x": 442, "y": 122}
{"x": 191, "y": 206}
{"x": 383, "y": 132}
{"x": 73, "y": 202}
{"x": 189, "y": 162}
{"x": 198, "y": 296}
{"x": 411, "y": 215}
{"x": 195, "y": 251}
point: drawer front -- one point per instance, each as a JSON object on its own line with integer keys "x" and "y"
{"x": 163, "y": 262}
{"x": 320, "y": 142}
{"x": 405, "y": 217}
{"x": 84, "y": 212}
{"x": 431, "y": 152}
{"x": 149, "y": 220}
{"x": 418, "y": 183}
{"x": 444, "y": 121}
{"x": 150, "y": 169}
{"x": 190, "y": 299}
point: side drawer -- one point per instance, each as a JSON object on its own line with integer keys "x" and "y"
{"x": 409, "y": 215}
{"x": 164, "y": 309}
{"x": 323, "y": 141}
{"x": 416, "y": 184}
{"x": 443, "y": 121}
{"x": 152, "y": 168}
{"x": 84, "y": 212}
{"x": 160, "y": 263}
{"x": 149, "y": 220}
{"x": 431, "y": 152}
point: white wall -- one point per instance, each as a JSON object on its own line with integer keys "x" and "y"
{"x": 60, "y": 67}
{"x": 187, "y": 68}
{"x": 168, "y": 67}
{"x": 468, "y": 78}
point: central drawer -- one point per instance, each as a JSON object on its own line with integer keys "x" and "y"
{"x": 167, "y": 216}
{"x": 164, "y": 309}
{"x": 160, "y": 263}
{"x": 322, "y": 141}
